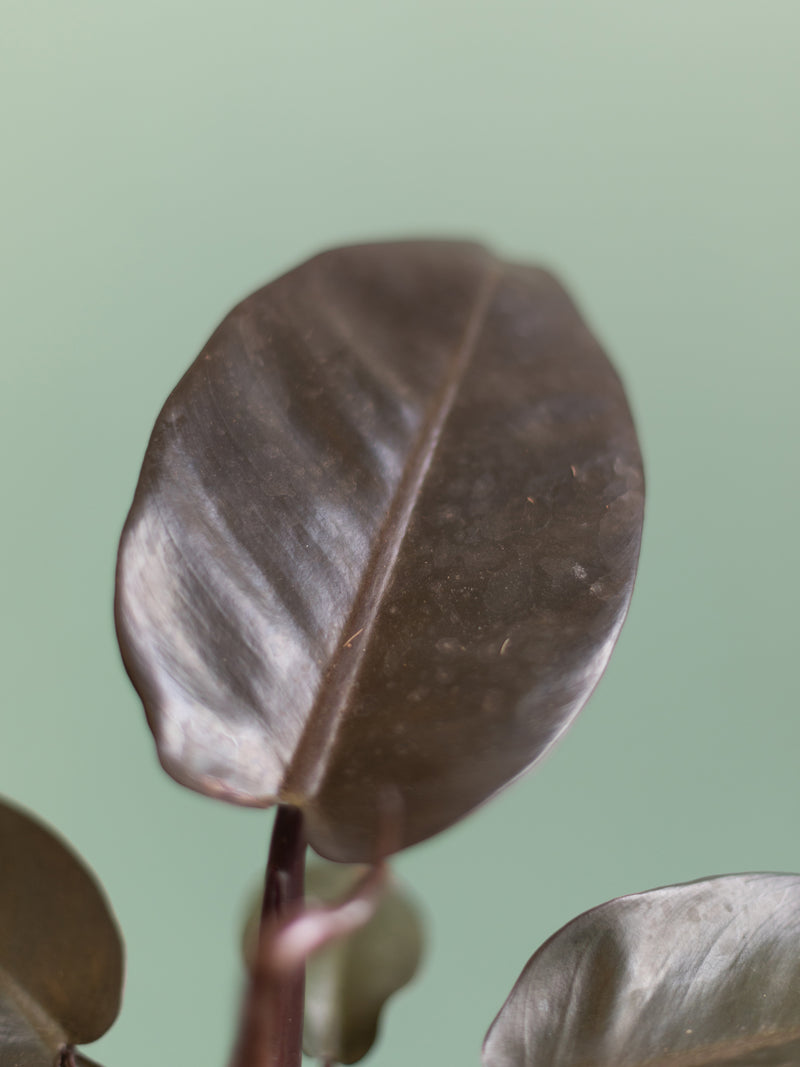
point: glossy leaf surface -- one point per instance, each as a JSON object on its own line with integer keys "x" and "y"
{"x": 688, "y": 976}
{"x": 21, "y": 1043}
{"x": 349, "y": 981}
{"x": 60, "y": 951}
{"x": 383, "y": 541}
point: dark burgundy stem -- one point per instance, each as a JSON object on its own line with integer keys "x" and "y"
{"x": 271, "y": 1031}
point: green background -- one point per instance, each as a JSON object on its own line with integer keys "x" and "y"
{"x": 159, "y": 161}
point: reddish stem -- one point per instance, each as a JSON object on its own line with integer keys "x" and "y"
{"x": 271, "y": 1030}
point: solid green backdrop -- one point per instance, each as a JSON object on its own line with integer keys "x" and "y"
{"x": 160, "y": 160}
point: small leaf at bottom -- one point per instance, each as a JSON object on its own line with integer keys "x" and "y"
{"x": 687, "y": 976}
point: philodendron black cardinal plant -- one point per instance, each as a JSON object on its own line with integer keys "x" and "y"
{"x": 383, "y": 542}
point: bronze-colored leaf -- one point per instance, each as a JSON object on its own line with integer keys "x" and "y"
{"x": 699, "y": 975}
{"x": 383, "y": 541}
{"x": 349, "y": 980}
{"x": 60, "y": 950}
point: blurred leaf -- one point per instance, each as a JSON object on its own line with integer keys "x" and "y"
{"x": 60, "y": 952}
{"x": 688, "y": 976}
{"x": 383, "y": 541}
{"x": 349, "y": 981}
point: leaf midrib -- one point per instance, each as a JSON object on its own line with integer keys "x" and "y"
{"x": 306, "y": 769}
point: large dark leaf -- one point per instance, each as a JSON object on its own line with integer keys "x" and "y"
{"x": 688, "y": 976}
{"x": 383, "y": 541}
{"x": 60, "y": 951}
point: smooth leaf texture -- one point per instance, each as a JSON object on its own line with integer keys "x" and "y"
{"x": 61, "y": 960}
{"x": 349, "y": 981}
{"x": 383, "y": 541}
{"x": 688, "y": 976}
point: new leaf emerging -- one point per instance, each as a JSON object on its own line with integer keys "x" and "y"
{"x": 349, "y": 981}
